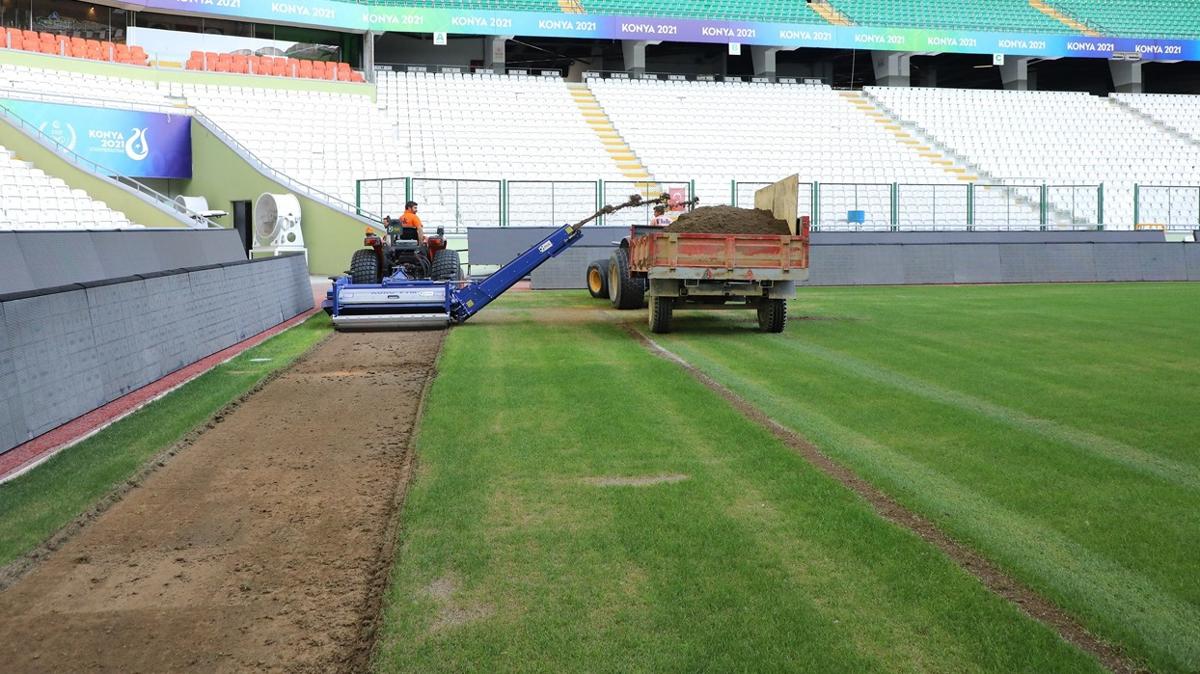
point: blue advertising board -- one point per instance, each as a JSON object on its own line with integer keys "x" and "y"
{"x": 126, "y": 142}
{"x": 397, "y": 18}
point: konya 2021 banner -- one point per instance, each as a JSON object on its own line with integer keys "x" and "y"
{"x": 354, "y": 16}
{"x": 126, "y": 142}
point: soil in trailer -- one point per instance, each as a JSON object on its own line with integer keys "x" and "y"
{"x": 261, "y": 546}
{"x": 728, "y": 220}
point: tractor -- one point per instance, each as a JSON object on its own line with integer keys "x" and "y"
{"x": 381, "y": 258}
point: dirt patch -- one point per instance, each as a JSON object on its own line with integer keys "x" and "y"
{"x": 263, "y": 544}
{"x": 994, "y": 579}
{"x": 452, "y": 613}
{"x": 728, "y": 220}
{"x": 637, "y": 481}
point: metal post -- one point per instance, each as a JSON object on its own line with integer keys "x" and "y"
{"x": 358, "y": 198}
{"x": 1100, "y": 206}
{"x": 970, "y": 206}
{"x": 1043, "y": 208}
{"x": 1137, "y": 203}
{"x": 816, "y": 203}
{"x": 895, "y": 206}
{"x": 505, "y": 201}
{"x": 600, "y": 201}
{"x": 733, "y": 200}
{"x": 408, "y": 189}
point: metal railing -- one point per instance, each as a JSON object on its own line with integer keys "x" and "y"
{"x": 85, "y": 164}
{"x": 1172, "y": 206}
{"x": 456, "y": 204}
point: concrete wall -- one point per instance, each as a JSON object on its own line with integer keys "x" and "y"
{"x": 68, "y": 350}
{"x": 898, "y": 258}
{"x": 33, "y": 260}
{"x": 223, "y": 176}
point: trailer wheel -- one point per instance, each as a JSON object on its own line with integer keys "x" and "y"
{"x": 625, "y": 291}
{"x": 446, "y": 266}
{"x": 660, "y": 312}
{"x": 597, "y": 279}
{"x": 772, "y": 315}
{"x": 364, "y": 266}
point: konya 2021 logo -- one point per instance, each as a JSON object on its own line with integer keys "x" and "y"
{"x": 136, "y": 146}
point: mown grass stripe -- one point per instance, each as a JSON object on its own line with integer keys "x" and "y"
{"x": 1096, "y": 588}
{"x": 1089, "y": 443}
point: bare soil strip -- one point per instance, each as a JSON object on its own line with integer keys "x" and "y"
{"x": 263, "y": 544}
{"x": 989, "y": 574}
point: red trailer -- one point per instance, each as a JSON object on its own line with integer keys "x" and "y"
{"x": 715, "y": 271}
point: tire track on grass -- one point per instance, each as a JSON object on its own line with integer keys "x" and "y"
{"x": 991, "y": 576}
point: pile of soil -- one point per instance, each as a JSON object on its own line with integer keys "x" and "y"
{"x": 728, "y": 220}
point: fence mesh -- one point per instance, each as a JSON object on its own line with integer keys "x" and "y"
{"x": 381, "y": 196}
{"x": 1174, "y": 207}
{"x": 458, "y": 204}
{"x": 1071, "y": 205}
{"x": 537, "y": 203}
{"x": 841, "y": 203}
{"x": 1008, "y": 206}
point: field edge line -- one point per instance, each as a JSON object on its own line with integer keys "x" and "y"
{"x": 988, "y": 574}
{"x": 12, "y": 572}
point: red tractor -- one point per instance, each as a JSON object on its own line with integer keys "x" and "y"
{"x": 381, "y": 259}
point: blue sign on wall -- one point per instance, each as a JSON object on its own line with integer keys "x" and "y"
{"x": 126, "y": 142}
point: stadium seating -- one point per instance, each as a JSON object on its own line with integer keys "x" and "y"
{"x": 784, "y": 11}
{"x": 30, "y": 199}
{"x": 100, "y": 88}
{"x": 243, "y": 64}
{"x": 992, "y": 15}
{"x": 717, "y": 132}
{"x": 1136, "y": 18}
{"x": 76, "y": 47}
{"x": 1030, "y": 137}
{"x": 324, "y": 140}
{"x": 490, "y": 126}
{"x": 518, "y": 128}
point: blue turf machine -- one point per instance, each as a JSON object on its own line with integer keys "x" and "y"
{"x": 399, "y": 301}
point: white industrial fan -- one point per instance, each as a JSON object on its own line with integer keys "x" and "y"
{"x": 277, "y": 225}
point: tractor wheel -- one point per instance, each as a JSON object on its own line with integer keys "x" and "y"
{"x": 364, "y": 267}
{"x": 625, "y": 291}
{"x": 660, "y": 314}
{"x": 446, "y": 266}
{"x": 772, "y": 315}
{"x": 597, "y": 279}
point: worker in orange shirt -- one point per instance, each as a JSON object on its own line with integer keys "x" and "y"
{"x": 411, "y": 219}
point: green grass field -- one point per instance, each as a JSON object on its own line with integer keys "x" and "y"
{"x": 40, "y": 502}
{"x": 1051, "y": 428}
{"x": 1048, "y": 427}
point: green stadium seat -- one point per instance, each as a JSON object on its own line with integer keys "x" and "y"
{"x": 1136, "y": 18}
{"x": 991, "y": 15}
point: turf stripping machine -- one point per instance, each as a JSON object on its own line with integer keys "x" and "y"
{"x": 402, "y": 301}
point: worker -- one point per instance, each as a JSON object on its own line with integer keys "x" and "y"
{"x": 661, "y": 219}
{"x": 392, "y": 227}
{"x": 411, "y": 219}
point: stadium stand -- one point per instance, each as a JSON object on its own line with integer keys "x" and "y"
{"x": 322, "y": 139}
{"x": 488, "y": 126}
{"x": 993, "y": 15}
{"x": 790, "y": 11}
{"x": 98, "y": 88}
{"x": 76, "y": 47}
{"x": 1136, "y": 18}
{"x": 717, "y": 132}
{"x": 1030, "y": 137}
{"x": 243, "y": 64}
{"x": 30, "y": 199}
